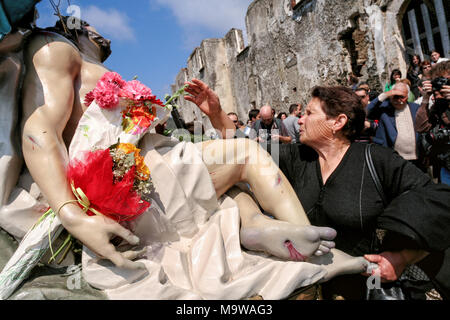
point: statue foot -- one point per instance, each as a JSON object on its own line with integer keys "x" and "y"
{"x": 337, "y": 262}
{"x": 287, "y": 241}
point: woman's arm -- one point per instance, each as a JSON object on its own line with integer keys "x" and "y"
{"x": 418, "y": 209}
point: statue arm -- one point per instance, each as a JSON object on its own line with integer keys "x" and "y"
{"x": 43, "y": 147}
{"x": 58, "y": 66}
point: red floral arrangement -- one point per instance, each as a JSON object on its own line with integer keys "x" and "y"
{"x": 115, "y": 181}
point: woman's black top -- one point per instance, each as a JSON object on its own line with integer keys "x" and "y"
{"x": 418, "y": 210}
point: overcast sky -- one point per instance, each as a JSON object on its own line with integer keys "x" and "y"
{"x": 152, "y": 39}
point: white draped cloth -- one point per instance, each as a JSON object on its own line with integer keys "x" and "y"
{"x": 192, "y": 241}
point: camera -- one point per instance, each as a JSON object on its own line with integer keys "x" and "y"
{"x": 437, "y": 138}
{"x": 438, "y": 134}
{"x": 437, "y": 83}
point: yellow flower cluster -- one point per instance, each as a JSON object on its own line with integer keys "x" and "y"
{"x": 141, "y": 168}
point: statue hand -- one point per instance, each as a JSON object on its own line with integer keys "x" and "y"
{"x": 96, "y": 231}
{"x": 203, "y": 97}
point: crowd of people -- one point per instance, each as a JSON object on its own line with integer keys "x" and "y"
{"x": 327, "y": 165}
{"x": 405, "y": 117}
{"x": 412, "y": 119}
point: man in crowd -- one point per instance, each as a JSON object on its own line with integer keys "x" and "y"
{"x": 370, "y": 126}
{"x": 240, "y": 128}
{"x": 234, "y": 117}
{"x": 396, "y": 121}
{"x": 436, "y": 57}
{"x": 268, "y": 129}
{"x": 291, "y": 122}
{"x": 253, "y": 115}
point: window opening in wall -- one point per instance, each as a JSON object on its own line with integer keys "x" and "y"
{"x": 425, "y": 26}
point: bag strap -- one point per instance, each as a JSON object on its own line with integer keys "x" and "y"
{"x": 374, "y": 174}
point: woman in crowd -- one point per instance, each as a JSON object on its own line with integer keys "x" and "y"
{"x": 414, "y": 74}
{"x": 426, "y": 68}
{"x": 396, "y": 75}
{"x": 282, "y": 115}
{"x": 330, "y": 176}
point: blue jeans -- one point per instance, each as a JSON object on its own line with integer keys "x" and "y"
{"x": 445, "y": 176}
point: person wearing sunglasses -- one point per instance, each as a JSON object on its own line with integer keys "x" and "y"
{"x": 396, "y": 118}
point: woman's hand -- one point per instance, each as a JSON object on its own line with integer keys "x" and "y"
{"x": 209, "y": 103}
{"x": 390, "y": 265}
{"x": 203, "y": 97}
{"x": 95, "y": 233}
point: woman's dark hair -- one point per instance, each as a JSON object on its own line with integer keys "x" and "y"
{"x": 411, "y": 64}
{"x": 394, "y": 72}
{"x": 280, "y": 114}
{"x": 342, "y": 100}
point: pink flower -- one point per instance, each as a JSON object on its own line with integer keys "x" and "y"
{"x": 106, "y": 93}
{"x": 111, "y": 86}
{"x": 113, "y": 78}
{"x": 136, "y": 91}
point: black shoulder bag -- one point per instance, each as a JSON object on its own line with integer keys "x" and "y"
{"x": 401, "y": 289}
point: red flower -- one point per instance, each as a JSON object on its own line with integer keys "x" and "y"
{"x": 93, "y": 174}
{"x": 89, "y": 98}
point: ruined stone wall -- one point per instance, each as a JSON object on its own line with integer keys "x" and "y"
{"x": 290, "y": 50}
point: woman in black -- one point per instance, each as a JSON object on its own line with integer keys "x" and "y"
{"x": 414, "y": 74}
{"x": 330, "y": 176}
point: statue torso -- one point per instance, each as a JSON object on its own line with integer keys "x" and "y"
{"x": 33, "y": 94}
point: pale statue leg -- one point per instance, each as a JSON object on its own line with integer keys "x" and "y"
{"x": 279, "y": 238}
{"x": 261, "y": 233}
{"x": 232, "y": 161}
